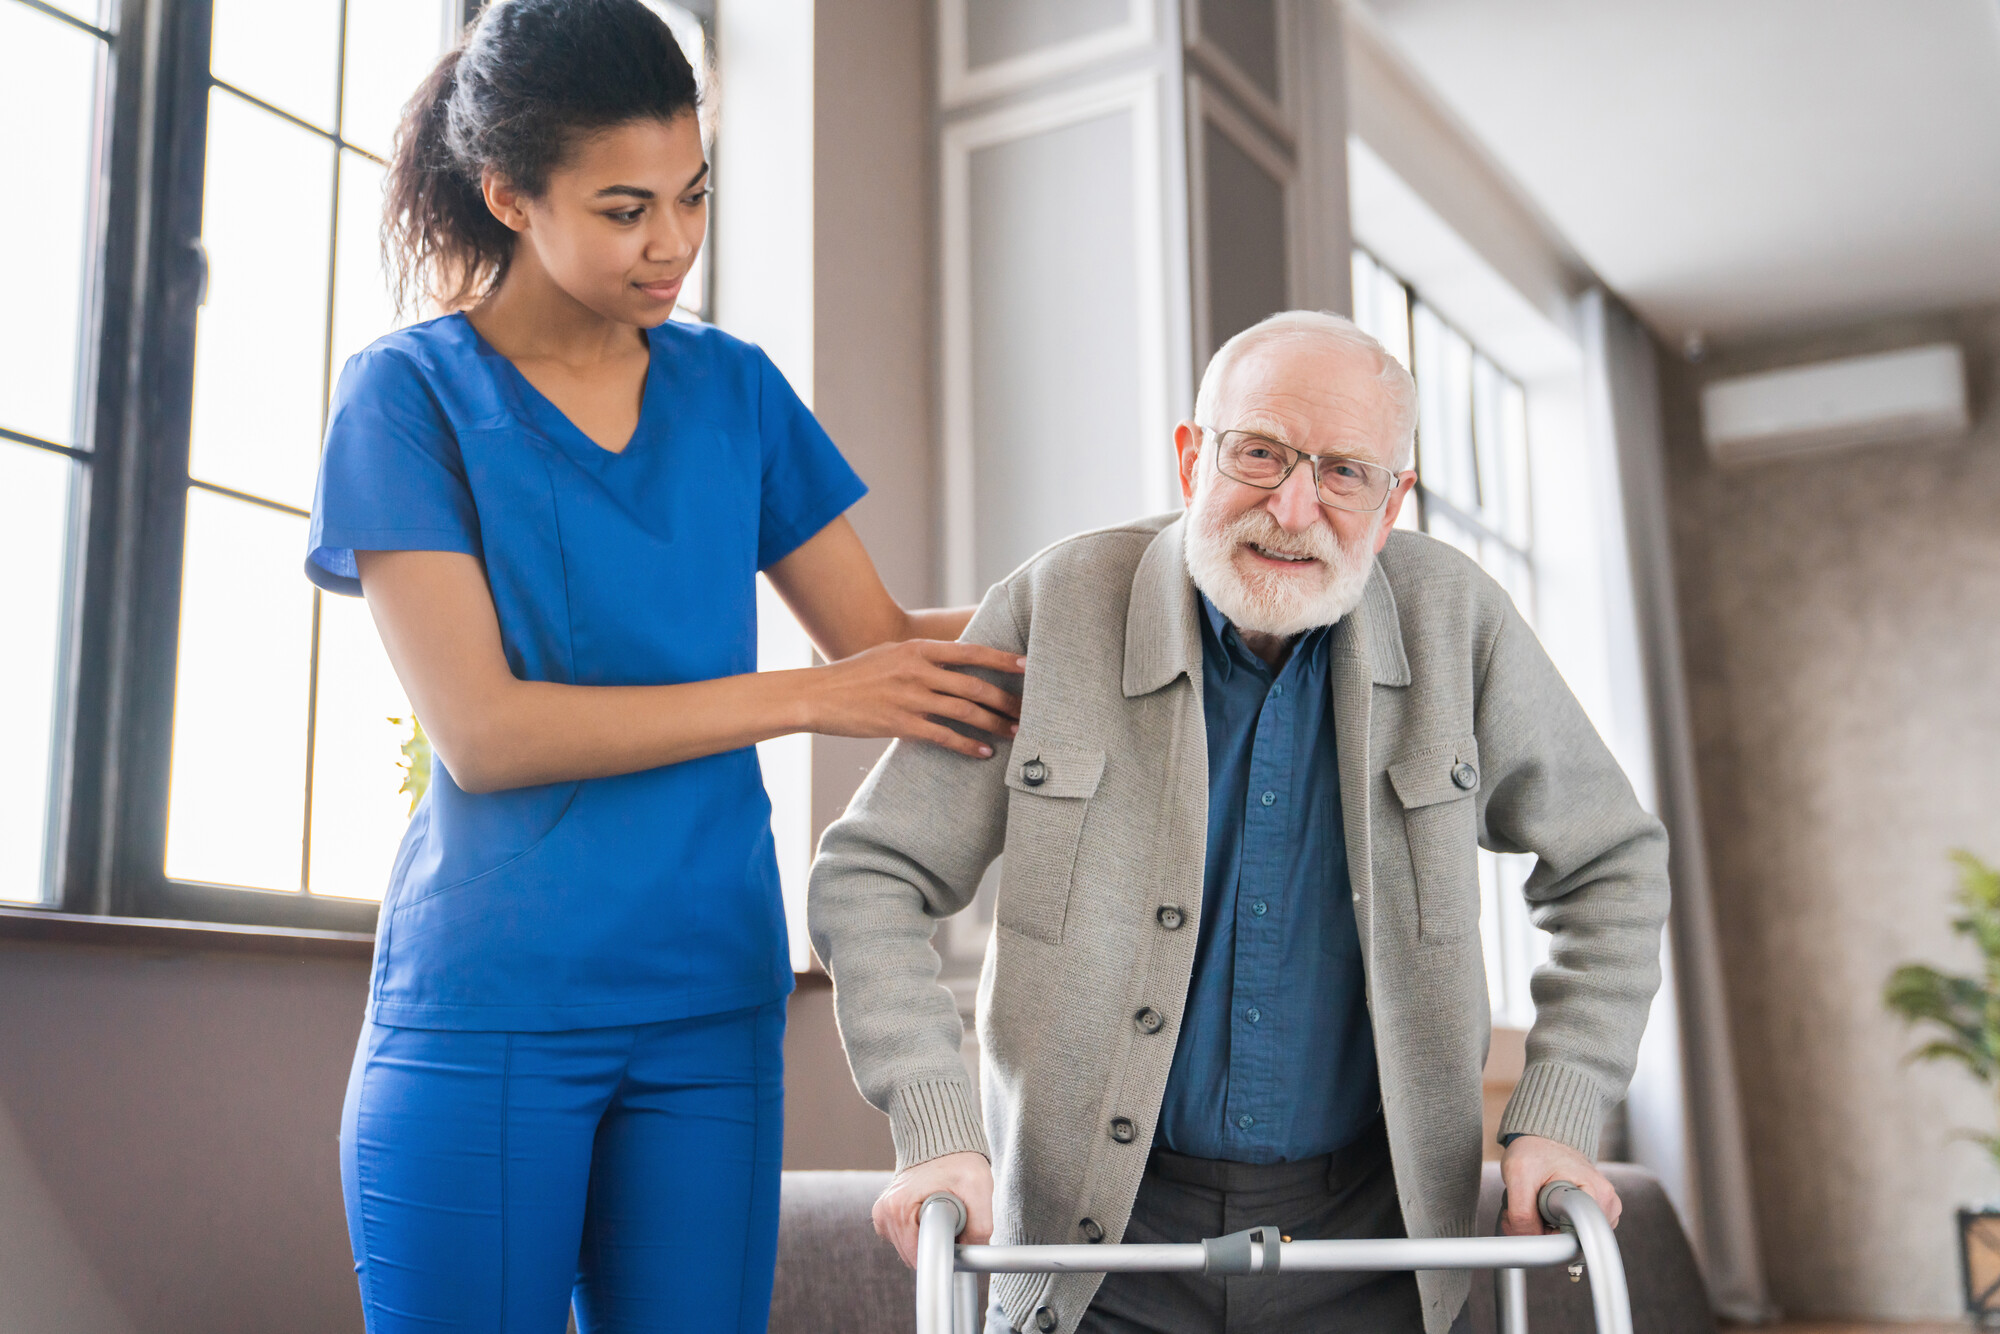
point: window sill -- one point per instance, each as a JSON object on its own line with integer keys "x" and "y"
{"x": 43, "y": 926}
{"x": 47, "y": 926}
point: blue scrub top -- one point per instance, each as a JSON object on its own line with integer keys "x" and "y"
{"x": 624, "y": 900}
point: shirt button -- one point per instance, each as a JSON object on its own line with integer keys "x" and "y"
{"x": 1259, "y": 908}
{"x": 1245, "y": 1121}
{"x": 1277, "y": 690}
{"x": 1122, "y": 1129}
{"x": 1253, "y": 1014}
{"x": 1171, "y": 917}
{"x": 1268, "y": 798}
{"x": 1091, "y": 1230}
{"x": 1148, "y": 1020}
{"x": 1464, "y": 775}
{"x": 1034, "y": 773}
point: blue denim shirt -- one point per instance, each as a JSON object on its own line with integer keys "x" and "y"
{"x": 1276, "y": 1057}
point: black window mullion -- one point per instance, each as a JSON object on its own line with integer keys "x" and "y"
{"x": 61, "y": 15}
{"x": 152, "y": 513}
{"x": 84, "y": 770}
{"x": 36, "y": 442}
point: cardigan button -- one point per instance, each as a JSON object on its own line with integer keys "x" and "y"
{"x": 1171, "y": 917}
{"x": 1123, "y": 1130}
{"x": 1464, "y": 775}
{"x": 1092, "y": 1231}
{"x": 1045, "y": 1319}
{"x": 1148, "y": 1020}
{"x": 1034, "y": 773}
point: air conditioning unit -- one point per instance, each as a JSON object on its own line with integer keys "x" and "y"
{"x": 1889, "y": 397}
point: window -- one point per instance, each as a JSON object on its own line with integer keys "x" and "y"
{"x": 54, "y": 65}
{"x": 1472, "y": 491}
{"x": 189, "y": 729}
{"x": 285, "y": 737}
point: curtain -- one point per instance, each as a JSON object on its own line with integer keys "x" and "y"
{"x": 1685, "y": 1112}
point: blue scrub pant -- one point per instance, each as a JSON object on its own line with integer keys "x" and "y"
{"x": 490, "y": 1176}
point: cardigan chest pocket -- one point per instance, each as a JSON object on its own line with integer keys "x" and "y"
{"x": 1436, "y": 787}
{"x": 1050, "y": 792}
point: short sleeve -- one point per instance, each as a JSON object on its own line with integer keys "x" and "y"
{"x": 807, "y": 484}
{"x": 390, "y": 477}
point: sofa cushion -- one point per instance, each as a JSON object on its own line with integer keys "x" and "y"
{"x": 835, "y": 1276}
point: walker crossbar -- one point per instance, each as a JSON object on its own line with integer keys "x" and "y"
{"x": 947, "y": 1283}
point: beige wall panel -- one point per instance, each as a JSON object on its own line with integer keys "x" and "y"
{"x": 1244, "y": 236}
{"x": 1057, "y": 384}
{"x": 997, "y": 30}
{"x": 1246, "y": 32}
{"x": 874, "y": 310}
{"x": 1842, "y": 622}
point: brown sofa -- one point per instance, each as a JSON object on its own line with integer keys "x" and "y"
{"x": 835, "y": 1276}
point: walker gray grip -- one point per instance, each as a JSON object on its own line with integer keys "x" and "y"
{"x": 954, "y": 1202}
{"x": 1251, "y": 1251}
{"x": 1548, "y": 1215}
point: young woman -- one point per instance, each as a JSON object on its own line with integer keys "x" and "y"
{"x": 556, "y": 504}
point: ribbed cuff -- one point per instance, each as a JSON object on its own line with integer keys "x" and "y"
{"x": 932, "y": 1118}
{"x": 1557, "y": 1102}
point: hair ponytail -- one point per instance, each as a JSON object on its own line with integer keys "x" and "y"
{"x": 527, "y": 78}
{"x": 441, "y": 243}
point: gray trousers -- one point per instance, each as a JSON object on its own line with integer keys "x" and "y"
{"x": 1348, "y": 1193}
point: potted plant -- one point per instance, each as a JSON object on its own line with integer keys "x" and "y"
{"x": 1963, "y": 1015}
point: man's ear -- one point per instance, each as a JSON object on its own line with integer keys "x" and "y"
{"x": 1187, "y": 445}
{"x": 503, "y": 201}
{"x": 1394, "y": 506}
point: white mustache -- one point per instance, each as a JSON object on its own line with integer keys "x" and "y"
{"x": 1258, "y": 528}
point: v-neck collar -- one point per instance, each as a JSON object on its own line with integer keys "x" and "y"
{"x": 555, "y": 424}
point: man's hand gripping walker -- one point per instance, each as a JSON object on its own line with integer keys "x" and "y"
{"x": 948, "y": 1286}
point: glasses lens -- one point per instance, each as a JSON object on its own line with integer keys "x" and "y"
{"x": 1347, "y": 479}
{"x": 1352, "y": 484}
{"x": 1251, "y": 458}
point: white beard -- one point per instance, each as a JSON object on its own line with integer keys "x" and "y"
{"x": 1273, "y": 603}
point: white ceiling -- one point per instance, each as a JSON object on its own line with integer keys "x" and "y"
{"x": 1739, "y": 165}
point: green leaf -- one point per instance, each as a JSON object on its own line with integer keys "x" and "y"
{"x": 1963, "y": 1012}
{"x": 416, "y": 761}
{"x": 1972, "y": 1058}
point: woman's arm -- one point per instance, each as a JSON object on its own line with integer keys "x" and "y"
{"x": 833, "y": 589}
{"x": 494, "y": 731}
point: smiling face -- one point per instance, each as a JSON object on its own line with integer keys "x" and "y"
{"x": 1280, "y": 562}
{"x": 621, "y": 221}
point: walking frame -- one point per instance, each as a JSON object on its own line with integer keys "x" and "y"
{"x": 948, "y": 1283}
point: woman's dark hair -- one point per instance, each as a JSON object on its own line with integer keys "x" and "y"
{"x": 528, "y": 77}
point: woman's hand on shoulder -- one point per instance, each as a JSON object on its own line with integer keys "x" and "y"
{"x": 912, "y": 689}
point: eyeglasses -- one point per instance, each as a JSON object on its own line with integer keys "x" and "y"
{"x": 1259, "y": 461}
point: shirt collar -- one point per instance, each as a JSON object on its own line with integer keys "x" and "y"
{"x": 1232, "y": 652}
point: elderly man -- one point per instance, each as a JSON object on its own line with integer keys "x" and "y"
{"x": 1235, "y": 976}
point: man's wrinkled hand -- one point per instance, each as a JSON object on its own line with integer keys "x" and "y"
{"x": 1532, "y": 1162}
{"x": 966, "y": 1175}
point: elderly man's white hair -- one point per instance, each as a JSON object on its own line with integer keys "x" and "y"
{"x": 1336, "y": 331}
